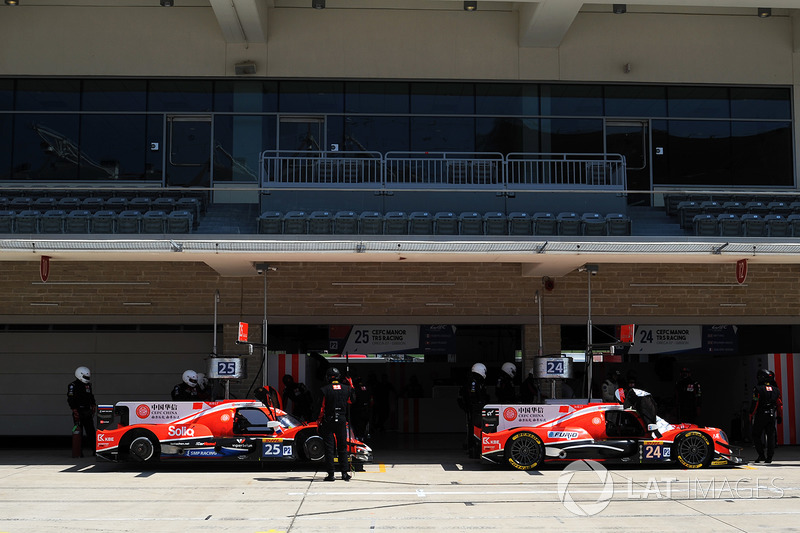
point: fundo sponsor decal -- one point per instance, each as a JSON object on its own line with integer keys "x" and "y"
{"x": 510, "y": 414}
{"x": 562, "y": 434}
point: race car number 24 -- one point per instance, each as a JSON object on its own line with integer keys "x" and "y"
{"x": 276, "y": 449}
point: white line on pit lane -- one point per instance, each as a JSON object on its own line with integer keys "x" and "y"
{"x": 422, "y": 493}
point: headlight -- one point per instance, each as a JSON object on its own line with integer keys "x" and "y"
{"x": 723, "y": 436}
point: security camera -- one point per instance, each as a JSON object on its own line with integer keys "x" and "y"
{"x": 260, "y": 270}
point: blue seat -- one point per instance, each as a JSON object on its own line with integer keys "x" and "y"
{"x": 345, "y": 223}
{"x": 753, "y": 225}
{"x": 729, "y": 225}
{"x": 686, "y": 213}
{"x": 593, "y": 224}
{"x": 27, "y": 221}
{"x": 154, "y": 221}
{"x": 519, "y": 223}
{"x": 7, "y": 221}
{"x": 52, "y": 221}
{"x": 103, "y": 221}
{"x": 618, "y": 224}
{"x": 117, "y": 204}
{"x": 470, "y": 223}
{"x": 180, "y": 222}
{"x": 69, "y": 203}
{"x": 320, "y": 222}
{"x": 778, "y": 225}
{"x": 705, "y": 225}
{"x": 270, "y": 222}
{"x": 495, "y": 223}
{"x": 395, "y": 223}
{"x": 295, "y": 222}
{"x": 77, "y": 221}
{"x": 420, "y": 223}
{"x": 129, "y": 221}
{"x": 445, "y": 223}
{"x": 370, "y": 223}
{"x": 569, "y": 223}
{"x": 93, "y": 204}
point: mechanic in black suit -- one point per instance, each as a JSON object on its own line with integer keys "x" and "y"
{"x": 337, "y": 396}
{"x": 472, "y": 397}
{"x": 187, "y": 389}
{"x": 81, "y": 400}
{"x": 766, "y": 408}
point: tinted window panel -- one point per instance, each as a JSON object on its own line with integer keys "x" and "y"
{"x": 698, "y": 102}
{"x": 6, "y": 95}
{"x": 246, "y": 96}
{"x": 6, "y": 140}
{"x": 442, "y": 98}
{"x": 507, "y": 135}
{"x": 46, "y": 147}
{"x": 376, "y": 134}
{"x": 507, "y": 99}
{"x": 311, "y": 97}
{"x": 113, "y": 147}
{"x": 154, "y": 165}
{"x": 442, "y": 134}
{"x": 572, "y": 100}
{"x": 762, "y": 153}
{"x": 572, "y": 135}
{"x": 761, "y": 103}
{"x": 114, "y": 95}
{"x": 635, "y": 101}
{"x": 238, "y": 141}
{"x": 48, "y": 95}
{"x": 177, "y": 96}
{"x": 699, "y": 153}
{"x": 376, "y": 97}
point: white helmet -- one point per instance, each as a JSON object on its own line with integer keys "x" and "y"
{"x": 509, "y": 368}
{"x": 480, "y": 369}
{"x": 202, "y": 380}
{"x": 190, "y": 378}
{"x": 83, "y": 374}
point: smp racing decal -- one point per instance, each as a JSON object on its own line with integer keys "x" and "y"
{"x": 562, "y": 434}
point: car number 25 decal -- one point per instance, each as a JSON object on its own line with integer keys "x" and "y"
{"x": 276, "y": 449}
{"x": 655, "y": 451}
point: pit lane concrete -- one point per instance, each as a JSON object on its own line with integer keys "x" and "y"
{"x": 432, "y": 488}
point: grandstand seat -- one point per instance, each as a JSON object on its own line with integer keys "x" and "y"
{"x": 671, "y": 202}
{"x": 270, "y": 222}
{"x": 520, "y": 223}
{"x": 179, "y": 221}
{"x": 68, "y": 203}
{"x": 27, "y": 221}
{"x": 129, "y": 221}
{"x": 618, "y": 224}
{"x": 103, "y": 221}
{"x": 593, "y": 224}
{"x": 730, "y": 225}
{"x": 43, "y": 204}
{"x": 495, "y": 223}
{"x": 370, "y": 223}
{"x": 445, "y": 223}
{"x": 470, "y": 223}
{"x": 686, "y": 213}
{"x": 753, "y": 225}
{"x": 163, "y": 203}
{"x": 52, "y": 221}
{"x": 544, "y": 223}
{"x": 77, "y": 221}
{"x": 154, "y": 221}
{"x": 139, "y": 203}
{"x": 117, "y": 204}
{"x": 778, "y": 225}
{"x": 345, "y": 223}
{"x": 395, "y": 223}
{"x": 794, "y": 224}
{"x": 7, "y": 221}
{"x": 779, "y": 208}
{"x": 733, "y": 208}
{"x": 794, "y": 207}
{"x": 710, "y": 207}
{"x": 93, "y": 204}
{"x": 569, "y": 223}
{"x": 756, "y": 208}
{"x": 705, "y": 225}
{"x": 3, "y": 203}
{"x": 420, "y": 223}
{"x": 193, "y": 205}
{"x": 295, "y": 222}
{"x": 320, "y": 222}
{"x": 20, "y": 203}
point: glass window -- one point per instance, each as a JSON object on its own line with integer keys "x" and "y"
{"x": 113, "y": 147}
{"x": 246, "y": 96}
{"x": 762, "y": 153}
{"x": 46, "y": 147}
{"x": 698, "y": 102}
{"x": 175, "y": 96}
{"x": 442, "y": 134}
{"x": 6, "y": 139}
{"x": 376, "y": 134}
{"x": 6, "y": 95}
{"x": 761, "y": 102}
{"x": 443, "y": 98}
{"x": 238, "y": 141}
{"x": 375, "y": 97}
{"x": 154, "y": 160}
{"x": 311, "y": 97}
{"x": 635, "y": 101}
{"x": 114, "y": 95}
{"x": 572, "y": 135}
{"x": 507, "y": 135}
{"x": 507, "y": 99}
{"x": 572, "y": 100}
{"x": 699, "y": 152}
{"x": 48, "y": 95}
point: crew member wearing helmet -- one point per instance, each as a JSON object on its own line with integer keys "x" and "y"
{"x": 81, "y": 400}
{"x": 187, "y": 390}
{"x": 504, "y": 389}
{"x": 610, "y": 386}
{"x": 334, "y": 415}
{"x": 687, "y": 397}
{"x": 472, "y": 398}
{"x": 766, "y": 408}
{"x": 644, "y": 404}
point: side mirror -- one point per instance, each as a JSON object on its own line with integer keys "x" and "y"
{"x": 273, "y": 424}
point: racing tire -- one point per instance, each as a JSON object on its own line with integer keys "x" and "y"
{"x": 693, "y": 449}
{"x": 525, "y": 451}
{"x": 144, "y": 448}
{"x": 314, "y": 448}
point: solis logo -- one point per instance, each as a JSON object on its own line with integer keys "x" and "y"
{"x": 180, "y": 431}
{"x": 143, "y": 411}
{"x": 510, "y": 414}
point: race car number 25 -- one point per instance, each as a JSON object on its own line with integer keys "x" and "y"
{"x": 276, "y": 449}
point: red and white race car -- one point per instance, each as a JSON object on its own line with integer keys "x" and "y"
{"x": 241, "y": 430}
{"x": 526, "y": 436}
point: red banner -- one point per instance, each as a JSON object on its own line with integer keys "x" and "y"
{"x": 242, "y": 331}
{"x": 741, "y": 270}
{"x": 44, "y": 268}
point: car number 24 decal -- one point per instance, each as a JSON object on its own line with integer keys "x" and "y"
{"x": 656, "y": 451}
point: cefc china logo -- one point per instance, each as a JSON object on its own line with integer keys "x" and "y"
{"x": 143, "y": 411}
{"x": 510, "y": 414}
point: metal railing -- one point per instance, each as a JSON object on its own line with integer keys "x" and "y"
{"x": 441, "y": 170}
